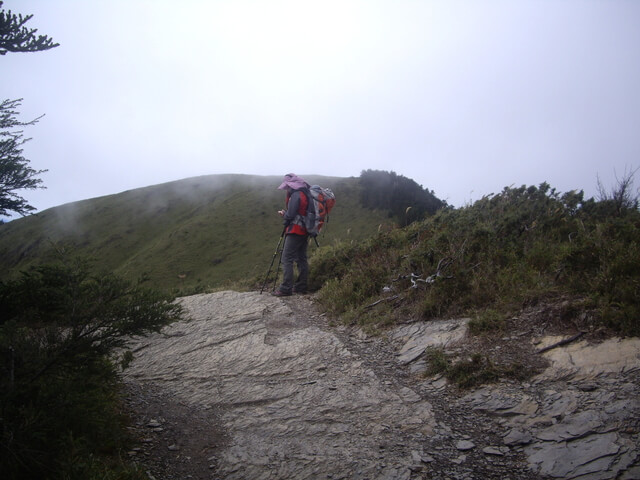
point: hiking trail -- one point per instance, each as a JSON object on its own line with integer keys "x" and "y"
{"x": 252, "y": 386}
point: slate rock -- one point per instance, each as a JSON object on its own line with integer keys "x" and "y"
{"x": 588, "y": 455}
{"x": 492, "y": 451}
{"x": 518, "y": 437}
{"x": 572, "y": 427}
{"x": 464, "y": 445}
{"x": 282, "y": 386}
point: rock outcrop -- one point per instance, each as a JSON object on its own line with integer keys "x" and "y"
{"x": 286, "y": 396}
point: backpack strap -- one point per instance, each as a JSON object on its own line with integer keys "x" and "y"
{"x": 299, "y": 220}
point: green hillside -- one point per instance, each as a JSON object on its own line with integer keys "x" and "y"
{"x": 187, "y": 235}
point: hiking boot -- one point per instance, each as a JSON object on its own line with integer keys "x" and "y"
{"x": 299, "y": 292}
{"x": 280, "y": 293}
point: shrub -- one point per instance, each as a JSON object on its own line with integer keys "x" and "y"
{"x": 504, "y": 252}
{"x": 488, "y": 321}
{"x": 476, "y": 370}
{"x": 59, "y": 401}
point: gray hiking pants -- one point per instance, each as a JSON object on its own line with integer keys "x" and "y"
{"x": 295, "y": 250}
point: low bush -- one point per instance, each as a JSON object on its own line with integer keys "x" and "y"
{"x": 476, "y": 370}
{"x": 60, "y": 406}
{"x": 507, "y": 251}
{"x": 488, "y": 321}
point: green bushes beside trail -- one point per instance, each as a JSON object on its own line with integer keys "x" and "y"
{"x": 60, "y": 405}
{"x": 504, "y": 252}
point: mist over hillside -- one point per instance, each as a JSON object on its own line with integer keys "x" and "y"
{"x": 186, "y": 235}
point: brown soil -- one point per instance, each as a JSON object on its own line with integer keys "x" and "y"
{"x": 174, "y": 440}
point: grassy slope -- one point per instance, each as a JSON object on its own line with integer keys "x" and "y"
{"x": 196, "y": 233}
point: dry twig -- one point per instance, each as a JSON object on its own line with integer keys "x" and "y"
{"x": 386, "y": 299}
{"x": 561, "y": 342}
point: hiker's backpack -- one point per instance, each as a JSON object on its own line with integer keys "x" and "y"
{"x": 322, "y": 201}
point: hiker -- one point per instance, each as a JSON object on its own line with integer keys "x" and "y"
{"x": 296, "y": 236}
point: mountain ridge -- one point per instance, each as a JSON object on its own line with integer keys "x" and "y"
{"x": 191, "y": 234}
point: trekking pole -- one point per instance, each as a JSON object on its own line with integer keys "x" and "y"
{"x": 275, "y": 280}
{"x": 272, "y": 260}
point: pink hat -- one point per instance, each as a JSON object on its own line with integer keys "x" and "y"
{"x": 293, "y": 181}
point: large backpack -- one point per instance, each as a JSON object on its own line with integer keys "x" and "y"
{"x": 321, "y": 201}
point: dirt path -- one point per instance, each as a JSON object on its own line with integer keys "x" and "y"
{"x": 256, "y": 387}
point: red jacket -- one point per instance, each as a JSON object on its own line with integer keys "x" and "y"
{"x": 296, "y": 208}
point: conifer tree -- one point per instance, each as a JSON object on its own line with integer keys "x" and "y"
{"x": 16, "y": 37}
{"x": 15, "y": 173}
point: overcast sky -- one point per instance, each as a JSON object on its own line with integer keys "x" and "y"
{"x": 464, "y": 97}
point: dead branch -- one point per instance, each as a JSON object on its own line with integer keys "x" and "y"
{"x": 415, "y": 278}
{"x": 386, "y": 299}
{"x": 561, "y": 343}
{"x": 442, "y": 264}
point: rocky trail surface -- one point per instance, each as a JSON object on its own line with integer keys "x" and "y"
{"x": 257, "y": 387}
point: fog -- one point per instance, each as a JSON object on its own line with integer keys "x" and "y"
{"x": 464, "y": 97}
